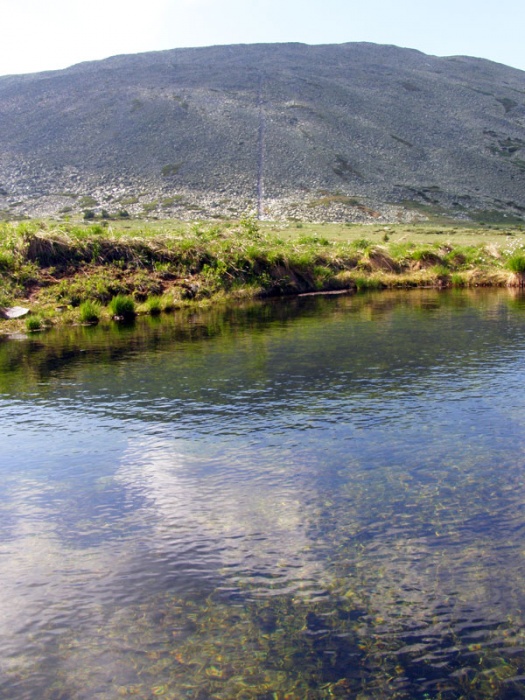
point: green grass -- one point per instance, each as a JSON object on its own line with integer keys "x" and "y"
{"x": 89, "y": 312}
{"x": 364, "y": 283}
{"x": 87, "y": 201}
{"x": 327, "y": 200}
{"x": 426, "y": 255}
{"x": 154, "y": 305}
{"x": 7, "y": 260}
{"x": 457, "y": 279}
{"x": 175, "y": 263}
{"x": 516, "y": 263}
{"x": 122, "y": 307}
{"x": 440, "y": 270}
{"x": 34, "y": 323}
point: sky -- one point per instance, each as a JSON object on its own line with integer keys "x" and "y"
{"x": 40, "y": 35}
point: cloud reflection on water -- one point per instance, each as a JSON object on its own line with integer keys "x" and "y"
{"x": 243, "y": 511}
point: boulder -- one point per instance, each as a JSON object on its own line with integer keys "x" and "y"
{"x": 13, "y": 312}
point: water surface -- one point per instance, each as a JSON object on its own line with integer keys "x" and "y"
{"x": 314, "y": 498}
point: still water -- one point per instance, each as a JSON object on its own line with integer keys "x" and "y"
{"x": 315, "y": 498}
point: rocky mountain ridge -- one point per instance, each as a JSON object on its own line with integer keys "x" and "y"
{"x": 349, "y": 132}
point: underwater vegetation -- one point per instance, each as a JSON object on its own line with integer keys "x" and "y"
{"x": 351, "y": 526}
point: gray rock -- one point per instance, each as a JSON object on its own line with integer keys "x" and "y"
{"x": 13, "y": 312}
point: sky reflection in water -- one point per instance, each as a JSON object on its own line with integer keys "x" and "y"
{"x": 311, "y": 499}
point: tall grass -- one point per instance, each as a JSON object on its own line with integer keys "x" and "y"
{"x": 154, "y": 305}
{"x": 34, "y": 323}
{"x": 122, "y": 307}
{"x": 516, "y": 263}
{"x": 89, "y": 312}
{"x": 88, "y": 267}
{"x": 7, "y": 259}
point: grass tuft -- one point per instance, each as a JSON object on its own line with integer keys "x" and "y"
{"x": 89, "y": 312}
{"x": 457, "y": 279}
{"x": 440, "y": 271}
{"x": 516, "y": 263}
{"x": 34, "y": 323}
{"x": 122, "y": 307}
{"x": 154, "y": 305}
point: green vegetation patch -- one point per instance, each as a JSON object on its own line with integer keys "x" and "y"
{"x": 327, "y": 200}
{"x": 92, "y": 271}
{"x": 516, "y": 262}
{"x": 494, "y": 216}
{"x": 122, "y": 307}
{"x": 171, "y": 201}
{"x": 34, "y": 323}
{"x": 171, "y": 169}
{"x": 87, "y": 201}
{"x": 149, "y": 207}
{"x": 154, "y": 305}
{"x": 90, "y": 312}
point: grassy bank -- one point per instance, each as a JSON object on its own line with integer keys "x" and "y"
{"x": 79, "y": 273}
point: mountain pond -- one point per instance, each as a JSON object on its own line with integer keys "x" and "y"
{"x": 302, "y": 499}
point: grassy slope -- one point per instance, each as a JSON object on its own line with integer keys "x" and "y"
{"x": 55, "y": 268}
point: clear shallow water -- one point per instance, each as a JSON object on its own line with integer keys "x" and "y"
{"x": 310, "y": 499}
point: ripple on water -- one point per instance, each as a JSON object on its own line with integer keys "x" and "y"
{"x": 328, "y": 505}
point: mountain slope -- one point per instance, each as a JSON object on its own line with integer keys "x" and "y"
{"x": 348, "y": 131}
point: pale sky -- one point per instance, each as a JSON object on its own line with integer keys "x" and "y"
{"x": 40, "y": 35}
